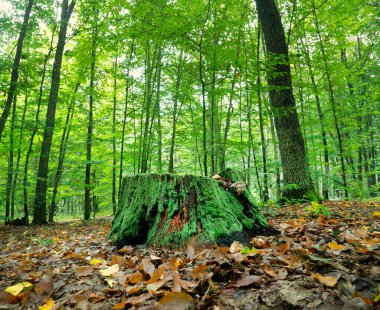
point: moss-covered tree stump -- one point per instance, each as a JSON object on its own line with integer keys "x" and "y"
{"x": 172, "y": 210}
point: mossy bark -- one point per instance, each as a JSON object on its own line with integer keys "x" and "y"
{"x": 172, "y": 210}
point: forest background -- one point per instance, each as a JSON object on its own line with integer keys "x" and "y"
{"x": 180, "y": 87}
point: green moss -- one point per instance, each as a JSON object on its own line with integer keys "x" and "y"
{"x": 169, "y": 210}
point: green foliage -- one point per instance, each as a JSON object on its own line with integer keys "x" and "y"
{"x": 316, "y": 209}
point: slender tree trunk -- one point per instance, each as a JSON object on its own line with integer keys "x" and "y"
{"x": 128, "y": 84}
{"x": 292, "y": 147}
{"x": 9, "y": 212}
{"x": 322, "y": 123}
{"x": 261, "y": 122}
{"x": 17, "y": 168}
{"x": 90, "y": 128}
{"x": 35, "y": 129}
{"x": 62, "y": 154}
{"x": 203, "y": 92}
{"x": 175, "y": 112}
{"x": 333, "y": 103}
{"x": 114, "y": 137}
{"x": 15, "y": 68}
{"x": 39, "y": 214}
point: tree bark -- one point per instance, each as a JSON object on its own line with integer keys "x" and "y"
{"x": 298, "y": 183}
{"x": 180, "y": 209}
{"x": 39, "y": 212}
{"x": 15, "y": 67}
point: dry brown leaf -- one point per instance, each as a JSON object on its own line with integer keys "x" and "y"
{"x": 361, "y": 233}
{"x": 153, "y": 287}
{"x": 95, "y": 298}
{"x": 176, "y": 301}
{"x": 82, "y": 271}
{"x": 157, "y": 274}
{"x": 119, "y": 260}
{"x": 246, "y": 281}
{"x": 136, "y": 278}
{"x": 329, "y": 281}
{"x": 190, "y": 253}
{"x": 110, "y": 270}
{"x": 269, "y": 271}
{"x": 198, "y": 271}
{"x": 46, "y": 284}
{"x": 236, "y": 247}
{"x": 147, "y": 266}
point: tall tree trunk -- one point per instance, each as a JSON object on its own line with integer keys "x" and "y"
{"x": 333, "y": 103}
{"x": 15, "y": 67}
{"x": 62, "y": 153}
{"x": 322, "y": 123}
{"x": 90, "y": 127}
{"x": 114, "y": 137}
{"x": 17, "y": 168}
{"x": 9, "y": 213}
{"x": 35, "y": 129}
{"x": 128, "y": 84}
{"x": 292, "y": 147}
{"x": 39, "y": 213}
{"x": 265, "y": 194}
{"x": 175, "y": 112}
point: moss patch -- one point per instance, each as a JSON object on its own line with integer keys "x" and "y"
{"x": 170, "y": 210}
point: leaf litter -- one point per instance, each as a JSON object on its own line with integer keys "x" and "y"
{"x": 317, "y": 262}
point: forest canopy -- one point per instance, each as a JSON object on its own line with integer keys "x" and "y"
{"x": 92, "y": 91}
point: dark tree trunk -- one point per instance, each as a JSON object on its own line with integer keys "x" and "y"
{"x": 183, "y": 208}
{"x": 298, "y": 183}
{"x": 62, "y": 153}
{"x": 39, "y": 213}
{"x": 15, "y": 67}
{"x": 87, "y": 183}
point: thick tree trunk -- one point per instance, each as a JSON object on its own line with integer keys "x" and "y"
{"x": 298, "y": 183}
{"x": 180, "y": 209}
{"x": 16, "y": 64}
{"x": 39, "y": 214}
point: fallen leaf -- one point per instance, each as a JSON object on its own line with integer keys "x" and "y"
{"x": 147, "y": 266}
{"x": 198, "y": 271}
{"x": 96, "y": 261}
{"x": 95, "y": 298}
{"x": 236, "y": 247}
{"x": 361, "y": 233}
{"x": 49, "y": 304}
{"x": 176, "y": 301}
{"x": 153, "y": 287}
{"x": 335, "y": 246}
{"x": 376, "y": 214}
{"x": 18, "y": 288}
{"x": 46, "y": 284}
{"x": 110, "y": 270}
{"x": 82, "y": 271}
{"x": 157, "y": 274}
{"x": 190, "y": 253}
{"x": 246, "y": 281}
{"x": 326, "y": 280}
{"x": 136, "y": 278}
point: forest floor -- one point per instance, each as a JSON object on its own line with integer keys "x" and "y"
{"x": 316, "y": 262}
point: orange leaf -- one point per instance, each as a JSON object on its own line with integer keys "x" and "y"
{"x": 335, "y": 246}
{"x": 82, "y": 271}
{"x": 198, "y": 271}
{"x": 176, "y": 301}
{"x": 136, "y": 278}
{"x": 157, "y": 275}
{"x": 269, "y": 271}
{"x": 246, "y": 281}
{"x": 326, "y": 280}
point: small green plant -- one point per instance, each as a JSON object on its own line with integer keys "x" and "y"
{"x": 317, "y": 209}
{"x": 246, "y": 250}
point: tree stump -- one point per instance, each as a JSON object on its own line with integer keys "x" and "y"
{"x": 172, "y": 210}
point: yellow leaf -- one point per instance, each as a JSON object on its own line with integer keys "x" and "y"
{"x": 96, "y": 261}
{"x": 49, "y": 304}
{"x": 335, "y": 246}
{"x": 111, "y": 270}
{"x": 18, "y": 288}
{"x": 326, "y": 280}
{"x": 376, "y": 214}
